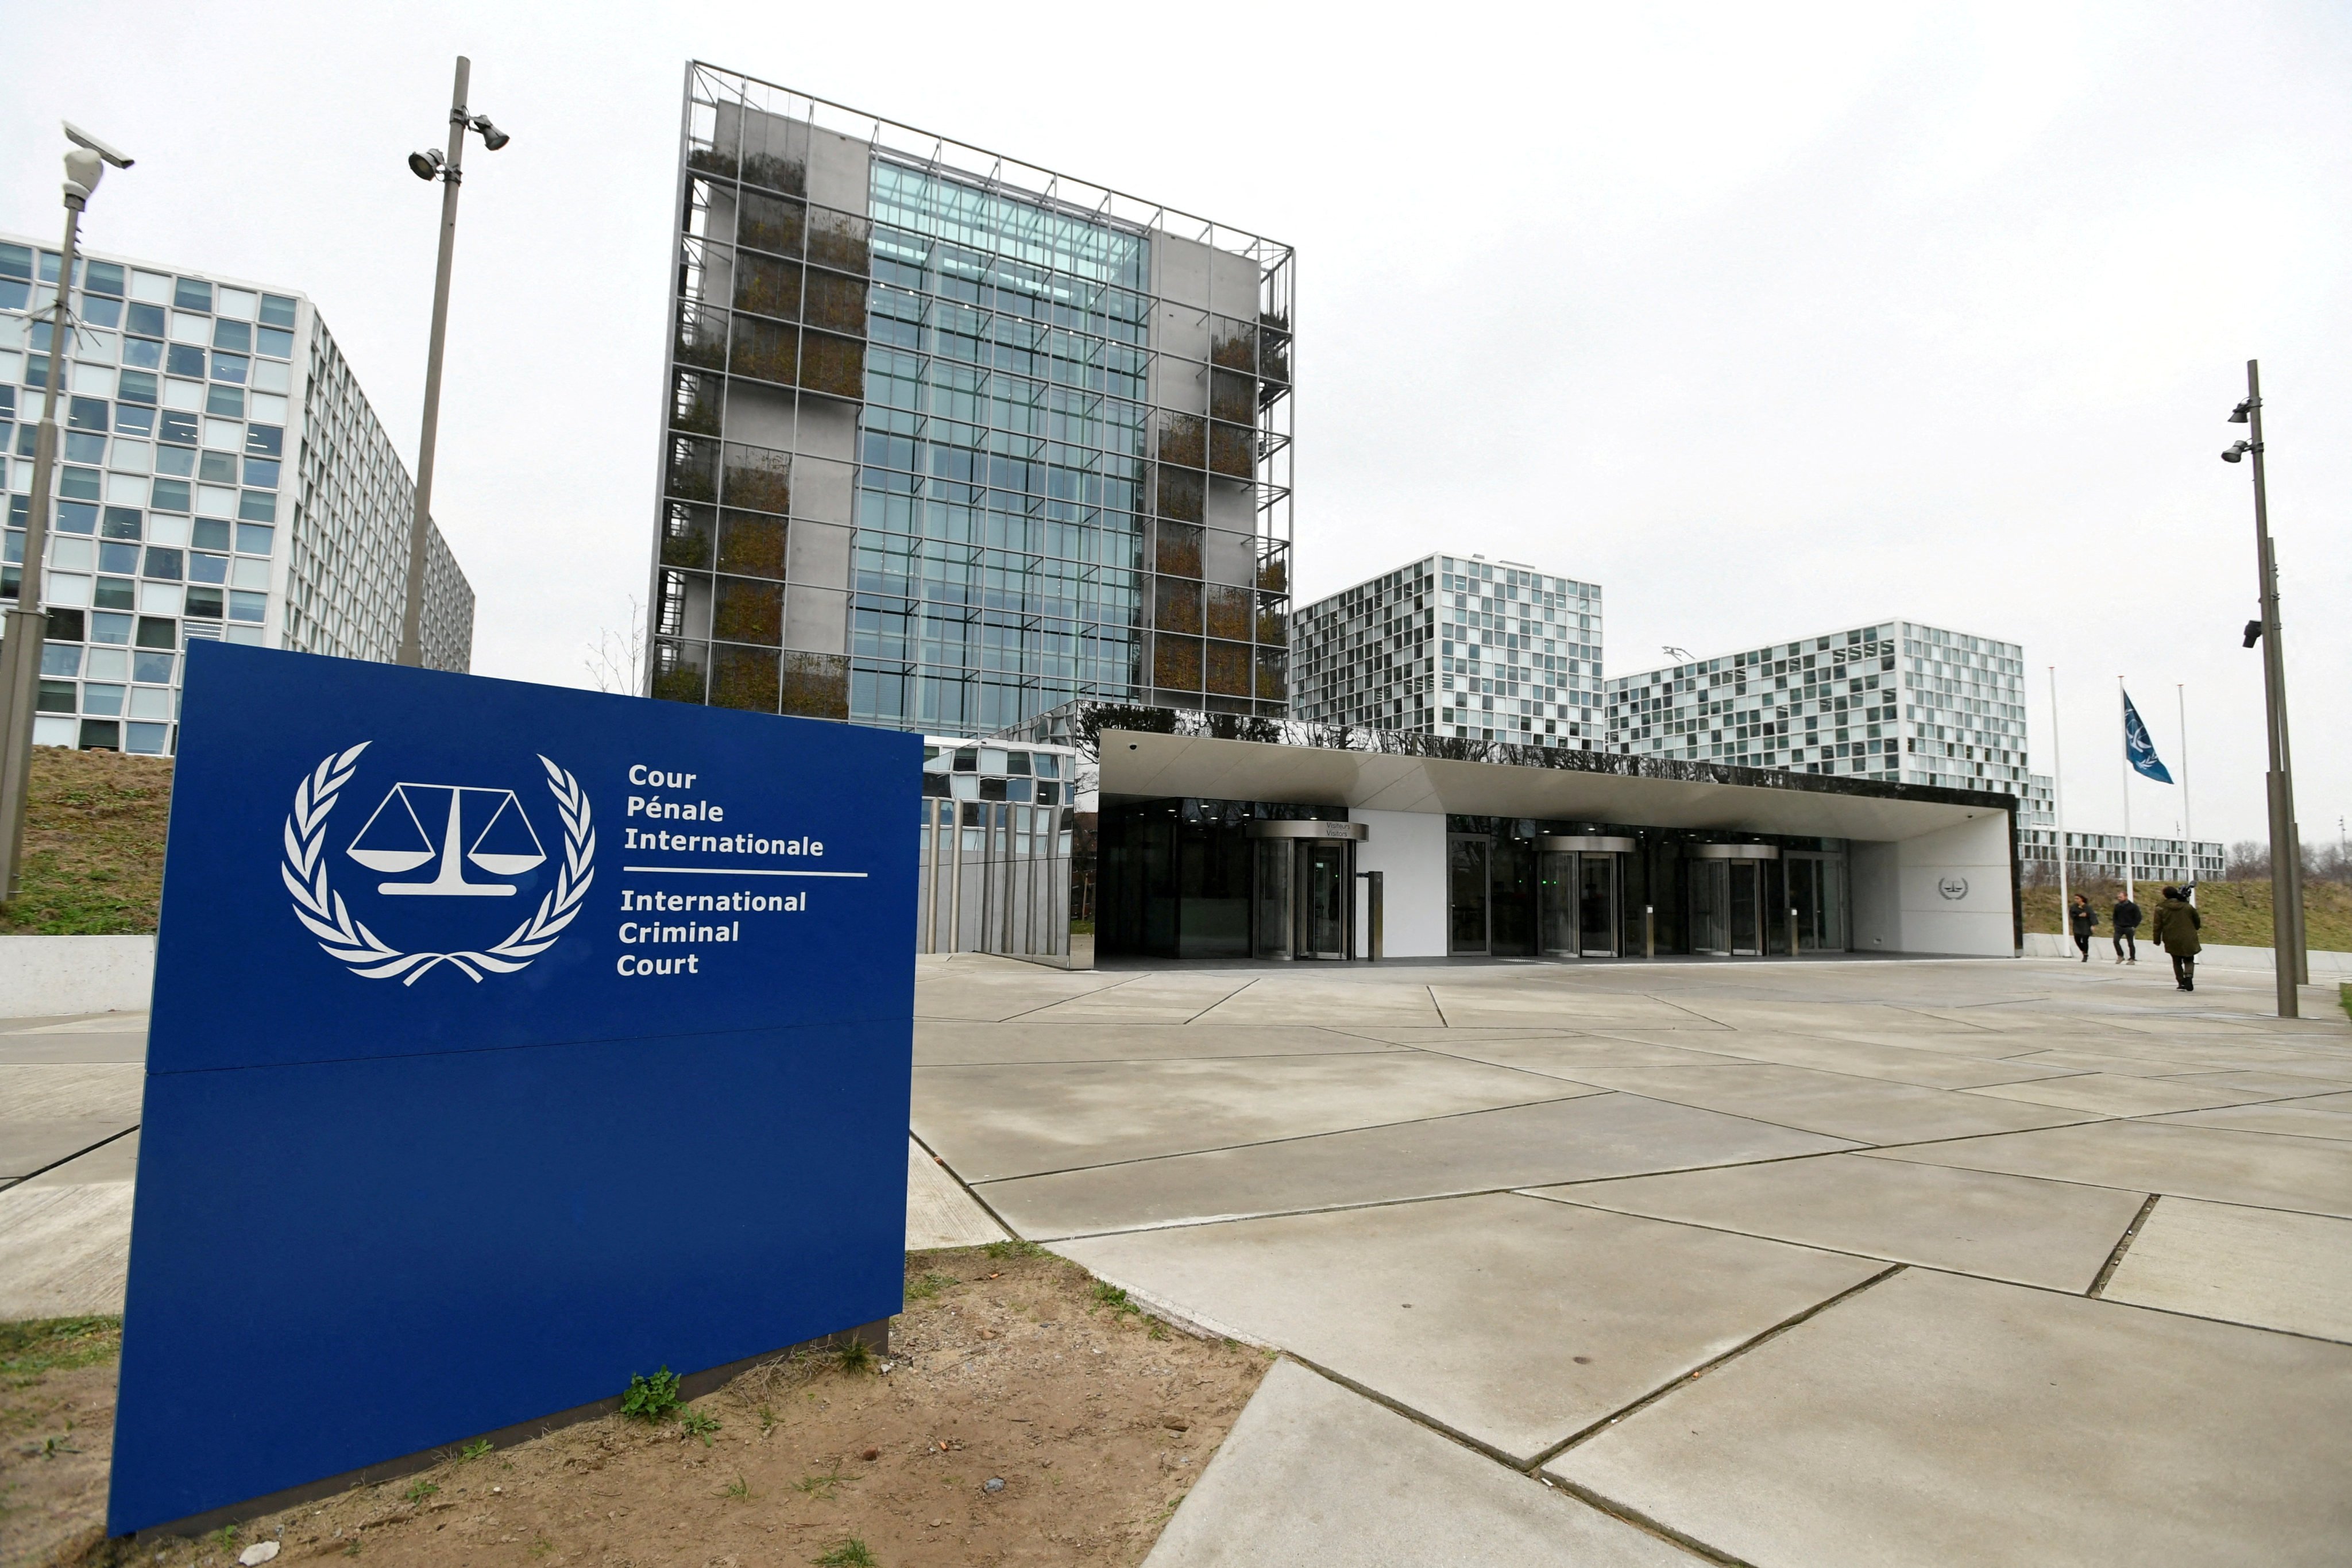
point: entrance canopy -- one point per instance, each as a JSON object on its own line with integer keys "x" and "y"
{"x": 1569, "y": 786}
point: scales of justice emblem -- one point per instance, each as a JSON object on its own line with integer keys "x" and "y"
{"x": 417, "y": 825}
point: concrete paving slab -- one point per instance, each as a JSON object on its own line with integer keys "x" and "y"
{"x": 116, "y": 1160}
{"x": 1803, "y": 1017}
{"x": 991, "y": 1122}
{"x": 1315, "y": 1473}
{"x": 2115, "y": 1094}
{"x": 78, "y": 1024}
{"x": 2272, "y": 1083}
{"x": 1437, "y": 1035}
{"x": 1513, "y": 1321}
{"x": 979, "y": 987}
{"x": 1896, "y": 1064}
{"x": 1566, "y": 1055}
{"x": 1147, "y": 999}
{"x": 1594, "y": 1135}
{"x": 939, "y": 1044}
{"x": 1969, "y": 1045}
{"x": 64, "y": 1251}
{"x": 1866, "y": 1111}
{"x": 45, "y": 1091}
{"x": 29, "y": 1146}
{"x": 1287, "y": 1000}
{"x": 2118, "y": 1064}
{"x": 2337, "y": 1102}
{"x": 1934, "y": 1418}
{"x": 2052, "y": 1233}
{"x": 1491, "y": 1007}
{"x": 79, "y": 1040}
{"x": 2293, "y": 1120}
{"x": 940, "y": 1212}
{"x": 2257, "y": 1169}
{"x": 2274, "y": 1270}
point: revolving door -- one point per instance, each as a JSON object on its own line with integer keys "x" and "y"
{"x": 1580, "y": 880}
{"x": 1303, "y": 888}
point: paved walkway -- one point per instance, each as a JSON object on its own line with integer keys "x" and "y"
{"x": 2015, "y": 1262}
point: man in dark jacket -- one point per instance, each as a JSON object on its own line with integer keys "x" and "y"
{"x": 2177, "y": 925}
{"x": 2125, "y": 923}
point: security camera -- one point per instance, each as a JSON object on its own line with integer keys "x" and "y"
{"x": 2253, "y": 633}
{"x": 81, "y": 138}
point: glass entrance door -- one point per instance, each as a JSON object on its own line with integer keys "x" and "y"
{"x": 1596, "y": 906}
{"x": 1324, "y": 912}
{"x": 1557, "y": 914}
{"x": 1817, "y": 895}
{"x": 1466, "y": 896}
{"x": 1746, "y": 907}
{"x": 1270, "y": 918}
{"x": 1710, "y": 906}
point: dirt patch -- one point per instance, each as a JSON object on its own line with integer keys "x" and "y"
{"x": 1009, "y": 1365}
{"x": 94, "y": 825}
{"x": 57, "y": 1431}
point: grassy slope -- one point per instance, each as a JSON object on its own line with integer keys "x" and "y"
{"x": 2235, "y": 912}
{"x": 93, "y": 844}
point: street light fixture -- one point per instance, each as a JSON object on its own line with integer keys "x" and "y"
{"x": 20, "y": 648}
{"x": 431, "y": 164}
{"x": 2288, "y": 961}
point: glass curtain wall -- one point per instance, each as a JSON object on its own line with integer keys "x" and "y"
{"x": 953, "y": 441}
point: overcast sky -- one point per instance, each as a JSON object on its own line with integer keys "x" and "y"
{"x": 1770, "y": 320}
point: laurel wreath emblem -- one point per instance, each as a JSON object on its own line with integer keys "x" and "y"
{"x": 320, "y": 908}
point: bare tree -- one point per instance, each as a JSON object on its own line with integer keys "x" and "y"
{"x": 617, "y": 660}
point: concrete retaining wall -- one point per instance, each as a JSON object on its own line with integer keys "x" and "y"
{"x": 44, "y": 976}
{"x": 2325, "y": 965}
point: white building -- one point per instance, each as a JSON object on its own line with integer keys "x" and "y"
{"x": 1892, "y": 701}
{"x": 2101, "y": 854}
{"x": 1464, "y": 647}
{"x": 220, "y": 475}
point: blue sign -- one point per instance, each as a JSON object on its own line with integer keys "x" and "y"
{"x": 507, "y": 1040}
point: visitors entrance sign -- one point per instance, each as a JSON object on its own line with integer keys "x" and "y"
{"x": 507, "y": 1040}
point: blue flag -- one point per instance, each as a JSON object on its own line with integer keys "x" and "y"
{"x": 2139, "y": 749}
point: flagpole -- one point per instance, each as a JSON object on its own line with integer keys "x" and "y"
{"x": 2058, "y": 798}
{"x": 2123, "y": 702}
{"x": 2188, "y": 817}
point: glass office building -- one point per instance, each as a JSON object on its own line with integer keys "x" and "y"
{"x": 1894, "y": 701}
{"x": 1472, "y": 648}
{"x": 220, "y": 476}
{"x": 951, "y": 441}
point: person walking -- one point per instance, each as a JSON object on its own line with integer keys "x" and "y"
{"x": 2124, "y": 921}
{"x": 2177, "y": 925}
{"x": 2084, "y": 921}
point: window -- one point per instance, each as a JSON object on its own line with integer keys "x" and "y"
{"x": 258, "y": 506}
{"x": 203, "y": 568}
{"x": 192, "y": 294}
{"x": 246, "y": 607}
{"x": 277, "y": 310}
{"x": 226, "y": 401}
{"x": 260, "y": 472}
{"x": 162, "y": 566}
{"x": 264, "y": 441}
{"x": 230, "y": 368}
{"x": 146, "y": 320}
{"x": 185, "y": 361}
{"x": 204, "y": 603}
{"x": 273, "y": 343}
{"x": 211, "y": 533}
{"x": 137, "y": 385}
{"x": 255, "y": 539}
{"x": 178, "y": 427}
{"x": 217, "y": 468}
{"x": 106, "y": 629}
{"x": 168, "y": 495}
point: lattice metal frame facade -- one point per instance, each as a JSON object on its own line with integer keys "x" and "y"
{"x": 950, "y": 440}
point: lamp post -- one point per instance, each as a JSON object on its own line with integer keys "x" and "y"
{"x": 2288, "y": 961}
{"x": 20, "y": 648}
{"x": 429, "y": 165}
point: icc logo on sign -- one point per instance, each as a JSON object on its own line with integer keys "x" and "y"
{"x": 421, "y": 839}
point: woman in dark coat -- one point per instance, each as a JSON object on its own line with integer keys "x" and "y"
{"x": 2084, "y": 921}
{"x": 2177, "y": 925}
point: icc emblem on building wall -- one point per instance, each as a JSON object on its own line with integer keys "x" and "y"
{"x": 423, "y": 840}
{"x": 1953, "y": 888}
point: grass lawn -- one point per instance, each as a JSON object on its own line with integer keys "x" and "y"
{"x": 93, "y": 844}
{"x": 2238, "y": 913}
